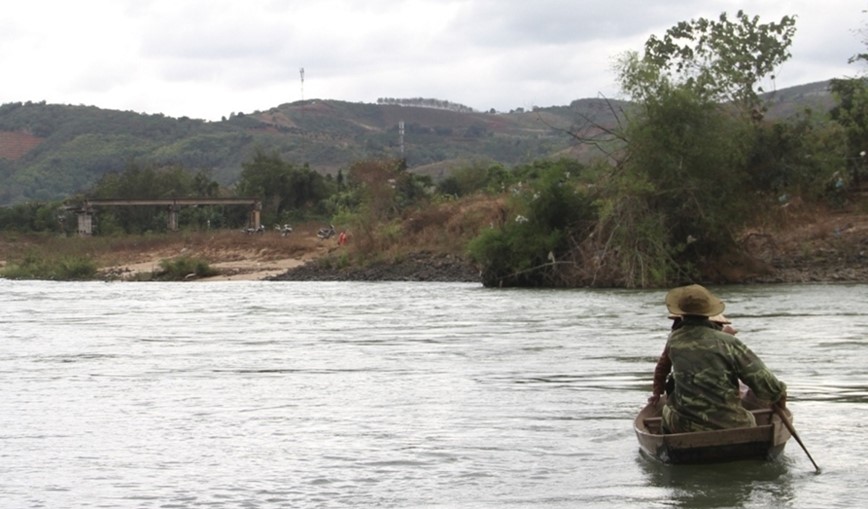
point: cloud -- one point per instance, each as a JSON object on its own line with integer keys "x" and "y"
{"x": 207, "y": 59}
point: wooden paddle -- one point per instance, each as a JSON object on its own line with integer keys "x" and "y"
{"x": 778, "y": 410}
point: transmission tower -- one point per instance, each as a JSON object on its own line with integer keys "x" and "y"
{"x": 401, "y": 137}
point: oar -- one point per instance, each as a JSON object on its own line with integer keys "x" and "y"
{"x": 793, "y": 432}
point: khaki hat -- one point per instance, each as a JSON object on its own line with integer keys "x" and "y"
{"x": 693, "y": 300}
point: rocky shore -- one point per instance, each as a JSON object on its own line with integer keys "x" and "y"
{"x": 433, "y": 268}
{"x": 422, "y": 266}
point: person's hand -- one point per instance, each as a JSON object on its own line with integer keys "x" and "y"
{"x": 729, "y": 329}
{"x": 782, "y": 403}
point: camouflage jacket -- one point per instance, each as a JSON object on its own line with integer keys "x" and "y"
{"x": 707, "y": 365}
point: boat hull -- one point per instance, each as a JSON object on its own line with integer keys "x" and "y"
{"x": 764, "y": 441}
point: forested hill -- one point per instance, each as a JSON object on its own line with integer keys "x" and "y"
{"x": 49, "y": 152}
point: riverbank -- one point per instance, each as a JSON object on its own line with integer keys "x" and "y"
{"x": 812, "y": 246}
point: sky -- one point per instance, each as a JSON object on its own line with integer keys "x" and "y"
{"x": 207, "y": 59}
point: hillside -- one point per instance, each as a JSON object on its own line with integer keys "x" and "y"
{"x": 50, "y": 152}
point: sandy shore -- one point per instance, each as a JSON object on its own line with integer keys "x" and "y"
{"x": 236, "y": 270}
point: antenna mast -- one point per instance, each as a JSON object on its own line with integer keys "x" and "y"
{"x": 301, "y": 71}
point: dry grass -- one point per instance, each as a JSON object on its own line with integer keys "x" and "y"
{"x": 449, "y": 226}
{"x": 214, "y": 246}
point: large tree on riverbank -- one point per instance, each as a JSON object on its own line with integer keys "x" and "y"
{"x": 681, "y": 188}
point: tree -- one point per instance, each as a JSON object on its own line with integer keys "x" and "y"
{"x": 546, "y": 221}
{"x": 851, "y": 113}
{"x": 863, "y": 32}
{"x": 720, "y": 61}
{"x": 282, "y": 187}
{"x": 147, "y": 182}
{"x": 681, "y": 191}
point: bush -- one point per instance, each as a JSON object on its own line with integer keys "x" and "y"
{"x": 548, "y": 223}
{"x": 64, "y": 268}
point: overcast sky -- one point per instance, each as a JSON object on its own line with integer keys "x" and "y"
{"x": 209, "y": 58}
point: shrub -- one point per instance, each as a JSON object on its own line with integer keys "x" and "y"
{"x": 547, "y": 225}
{"x": 63, "y": 268}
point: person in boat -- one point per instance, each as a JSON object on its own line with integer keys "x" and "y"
{"x": 707, "y": 365}
{"x": 663, "y": 382}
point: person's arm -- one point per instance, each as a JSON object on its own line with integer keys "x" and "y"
{"x": 781, "y": 403}
{"x": 754, "y": 373}
{"x": 661, "y": 371}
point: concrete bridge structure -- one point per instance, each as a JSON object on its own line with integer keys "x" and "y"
{"x": 86, "y": 211}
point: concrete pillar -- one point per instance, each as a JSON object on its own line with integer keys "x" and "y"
{"x": 254, "y": 218}
{"x": 173, "y": 218}
{"x": 85, "y": 223}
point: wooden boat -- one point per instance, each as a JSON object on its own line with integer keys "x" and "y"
{"x": 765, "y": 441}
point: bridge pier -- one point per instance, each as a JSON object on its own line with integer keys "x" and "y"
{"x": 86, "y": 211}
{"x": 85, "y": 223}
{"x": 254, "y": 218}
{"x": 173, "y": 218}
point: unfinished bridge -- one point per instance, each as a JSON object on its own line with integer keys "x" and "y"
{"x": 87, "y": 209}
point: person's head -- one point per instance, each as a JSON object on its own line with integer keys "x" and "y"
{"x": 693, "y": 300}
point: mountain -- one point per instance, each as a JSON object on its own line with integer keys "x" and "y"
{"x": 51, "y": 151}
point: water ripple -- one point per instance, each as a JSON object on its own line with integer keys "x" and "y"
{"x": 253, "y": 394}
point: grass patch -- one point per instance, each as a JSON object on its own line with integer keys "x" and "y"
{"x": 55, "y": 268}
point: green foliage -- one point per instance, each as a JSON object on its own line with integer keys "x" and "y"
{"x": 687, "y": 187}
{"x": 631, "y": 245}
{"x": 202, "y": 150}
{"x": 549, "y": 216}
{"x": 147, "y": 182}
{"x": 80, "y": 144}
{"x": 851, "y": 113}
{"x": 58, "y": 268}
{"x": 514, "y": 255}
{"x": 472, "y": 178}
{"x": 798, "y": 157}
{"x": 693, "y": 155}
{"x": 720, "y": 61}
{"x": 282, "y": 187}
{"x": 35, "y": 217}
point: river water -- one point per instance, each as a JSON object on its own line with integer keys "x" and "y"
{"x": 406, "y": 395}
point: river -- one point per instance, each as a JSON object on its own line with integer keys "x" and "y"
{"x": 404, "y": 395}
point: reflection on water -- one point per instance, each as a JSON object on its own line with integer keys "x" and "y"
{"x": 257, "y": 394}
{"x": 736, "y": 484}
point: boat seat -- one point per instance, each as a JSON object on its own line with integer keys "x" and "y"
{"x": 654, "y": 425}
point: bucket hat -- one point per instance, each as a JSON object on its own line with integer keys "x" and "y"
{"x": 693, "y": 300}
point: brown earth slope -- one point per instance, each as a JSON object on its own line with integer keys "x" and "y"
{"x": 818, "y": 245}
